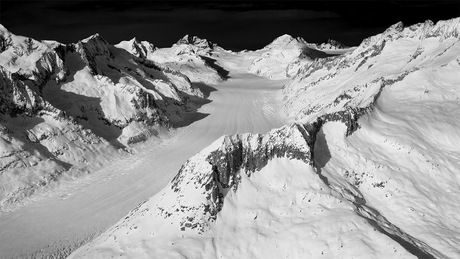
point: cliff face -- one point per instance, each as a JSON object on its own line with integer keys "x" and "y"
{"x": 200, "y": 46}
{"x": 217, "y": 169}
{"x": 140, "y": 49}
{"x": 17, "y": 97}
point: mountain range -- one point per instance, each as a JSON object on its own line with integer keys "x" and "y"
{"x": 366, "y": 165}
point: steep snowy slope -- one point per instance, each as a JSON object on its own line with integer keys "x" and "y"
{"x": 69, "y": 108}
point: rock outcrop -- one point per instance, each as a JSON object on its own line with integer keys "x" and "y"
{"x": 200, "y": 46}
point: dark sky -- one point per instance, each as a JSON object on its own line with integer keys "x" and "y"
{"x": 231, "y": 24}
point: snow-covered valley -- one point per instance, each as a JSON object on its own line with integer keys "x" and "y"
{"x": 296, "y": 150}
{"x": 78, "y": 210}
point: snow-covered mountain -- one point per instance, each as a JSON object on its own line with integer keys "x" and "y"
{"x": 70, "y": 108}
{"x": 245, "y": 191}
{"x": 369, "y": 169}
{"x": 403, "y": 85}
{"x": 190, "y": 56}
{"x": 283, "y": 57}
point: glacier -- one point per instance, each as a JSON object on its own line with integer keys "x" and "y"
{"x": 294, "y": 150}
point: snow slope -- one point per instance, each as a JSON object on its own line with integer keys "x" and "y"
{"x": 370, "y": 169}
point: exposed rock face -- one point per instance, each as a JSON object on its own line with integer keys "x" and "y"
{"x": 195, "y": 196}
{"x": 17, "y": 97}
{"x": 140, "y": 49}
{"x": 231, "y": 155}
{"x": 199, "y": 45}
{"x": 331, "y": 45}
{"x": 92, "y": 48}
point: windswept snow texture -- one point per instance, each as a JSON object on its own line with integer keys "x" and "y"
{"x": 369, "y": 169}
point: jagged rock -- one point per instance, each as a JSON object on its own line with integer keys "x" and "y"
{"x": 91, "y": 48}
{"x": 217, "y": 169}
{"x": 197, "y": 44}
{"x": 331, "y": 45}
{"x": 17, "y": 97}
{"x": 140, "y": 49}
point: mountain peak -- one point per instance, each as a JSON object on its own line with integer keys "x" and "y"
{"x": 285, "y": 40}
{"x": 282, "y": 40}
{"x": 399, "y": 26}
{"x": 195, "y": 40}
{"x": 3, "y": 29}
{"x": 198, "y": 44}
{"x": 138, "y": 48}
{"x": 94, "y": 37}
